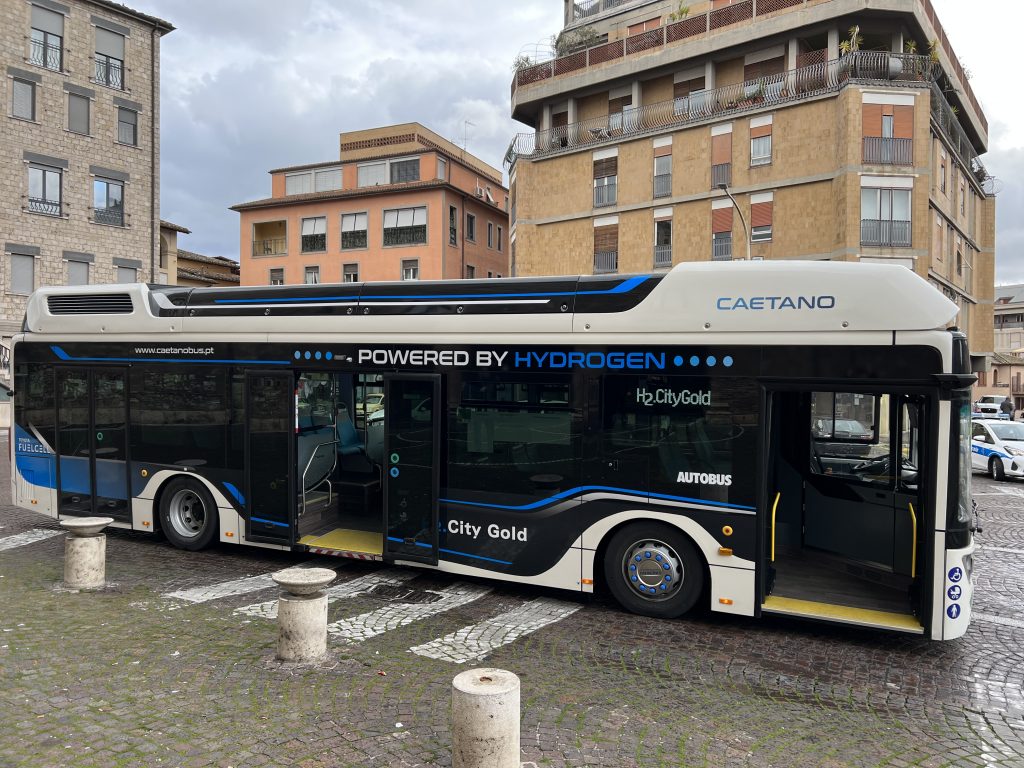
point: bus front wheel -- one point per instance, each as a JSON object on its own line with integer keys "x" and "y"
{"x": 653, "y": 570}
{"x": 188, "y": 515}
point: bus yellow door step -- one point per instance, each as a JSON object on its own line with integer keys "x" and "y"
{"x": 345, "y": 542}
{"x": 843, "y": 614}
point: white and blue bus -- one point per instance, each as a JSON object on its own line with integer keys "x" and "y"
{"x": 753, "y": 437}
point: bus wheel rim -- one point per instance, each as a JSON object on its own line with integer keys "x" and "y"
{"x": 187, "y": 513}
{"x": 653, "y": 569}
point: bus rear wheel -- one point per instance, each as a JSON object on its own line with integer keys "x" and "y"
{"x": 653, "y": 570}
{"x": 188, "y": 515}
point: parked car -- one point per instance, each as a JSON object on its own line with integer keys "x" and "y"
{"x": 373, "y": 403}
{"x": 841, "y": 429}
{"x": 997, "y": 447}
{"x": 988, "y": 405}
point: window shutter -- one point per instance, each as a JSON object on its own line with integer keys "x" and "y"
{"x": 110, "y": 44}
{"x": 606, "y": 238}
{"x": 617, "y": 105}
{"x": 78, "y": 113}
{"x": 22, "y": 273}
{"x": 766, "y": 68}
{"x": 903, "y": 122}
{"x": 298, "y": 184}
{"x": 721, "y": 220}
{"x": 607, "y": 167}
{"x": 872, "y": 120}
{"x": 47, "y": 21}
{"x": 761, "y": 214}
{"x": 24, "y": 96}
{"x": 328, "y": 180}
{"x": 760, "y": 131}
{"x": 721, "y": 149}
{"x": 686, "y": 87}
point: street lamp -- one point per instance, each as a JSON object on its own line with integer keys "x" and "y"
{"x": 746, "y": 235}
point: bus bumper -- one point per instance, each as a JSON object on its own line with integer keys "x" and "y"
{"x": 958, "y": 590}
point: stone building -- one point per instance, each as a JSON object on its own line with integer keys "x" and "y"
{"x": 201, "y": 271}
{"x": 400, "y": 203}
{"x": 80, "y": 155}
{"x": 843, "y": 130}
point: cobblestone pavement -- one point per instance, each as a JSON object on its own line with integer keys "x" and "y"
{"x": 173, "y": 665}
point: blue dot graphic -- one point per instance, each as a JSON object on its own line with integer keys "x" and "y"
{"x": 711, "y": 360}
{"x": 694, "y": 361}
{"x": 317, "y": 355}
{"x": 297, "y": 354}
{"x": 394, "y": 471}
{"x": 727, "y": 361}
{"x": 678, "y": 360}
{"x": 329, "y": 355}
{"x": 307, "y": 355}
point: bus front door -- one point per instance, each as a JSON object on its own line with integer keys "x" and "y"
{"x": 412, "y": 460}
{"x": 92, "y": 442}
{"x": 270, "y": 429}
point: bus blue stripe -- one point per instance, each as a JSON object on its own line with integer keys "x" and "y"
{"x": 454, "y": 552}
{"x": 269, "y": 522}
{"x": 581, "y": 489}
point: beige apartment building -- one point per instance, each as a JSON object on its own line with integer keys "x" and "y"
{"x": 841, "y": 130}
{"x": 80, "y": 155}
{"x": 399, "y": 203}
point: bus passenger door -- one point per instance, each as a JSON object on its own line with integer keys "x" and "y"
{"x": 92, "y": 442}
{"x": 269, "y": 466}
{"x": 412, "y": 461}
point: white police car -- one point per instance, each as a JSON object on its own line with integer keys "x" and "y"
{"x": 997, "y": 447}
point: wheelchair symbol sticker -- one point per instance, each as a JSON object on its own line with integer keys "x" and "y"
{"x": 954, "y": 592}
{"x": 953, "y": 611}
{"x": 955, "y": 574}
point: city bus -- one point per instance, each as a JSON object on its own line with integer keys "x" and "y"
{"x": 751, "y": 438}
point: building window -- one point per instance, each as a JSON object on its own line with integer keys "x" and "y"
{"x": 109, "y": 58}
{"x": 885, "y": 217}
{"x": 721, "y": 230}
{"x": 959, "y": 261}
{"x": 888, "y": 134}
{"x": 663, "y": 243}
{"x": 762, "y": 234}
{"x": 78, "y": 114}
{"x": 298, "y": 183}
{"x": 963, "y": 198}
{"x": 761, "y": 150}
{"x": 471, "y": 227}
{"x": 108, "y": 202}
{"x": 47, "y": 39}
{"x": 490, "y": 234}
{"x": 327, "y": 180}
{"x": 942, "y": 173}
{"x": 442, "y": 168}
{"x": 663, "y": 176}
{"x": 78, "y": 273}
{"x": 23, "y": 279}
{"x": 405, "y": 170}
{"x": 353, "y": 231}
{"x": 350, "y": 273}
{"x": 128, "y": 126}
{"x": 277, "y": 276}
{"x": 761, "y": 211}
{"x": 44, "y": 190}
{"x": 312, "y": 275}
{"x": 372, "y": 174}
{"x": 500, "y": 246}
{"x": 23, "y": 99}
{"x": 721, "y": 246}
{"x": 410, "y": 269}
{"x": 453, "y": 225}
{"x": 314, "y": 234}
{"x": 470, "y": 271}
{"x": 127, "y": 274}
{"x": 721, "y": 156}
{"x": 606, "y": 248}
{"x": 405, "y": 226}
{"x": 605, "y": 178}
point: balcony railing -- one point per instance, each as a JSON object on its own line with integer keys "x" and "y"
{"x": 663, "y": 185}
{"x": 785, "y": 87}
{"x": 721, "y": 174}
{"x": 604, "y": 194}
{"x": 606, "y": 261}
{"x": 888, "y": 151}
{"x": 112, "y": 216}
{"x": 314, "y": 243}
{"x": 45, "y": 54}
{"x": 721, "y": 248}
{"x": 271, "y": 246}
{"x": 41, "y": 205}
{"x": 885, "y": 232}
{"x": 110, "y": 72}
{"x": 662, "y": 256}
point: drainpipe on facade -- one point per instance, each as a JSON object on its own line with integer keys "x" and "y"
{"x": 153, "y": 242}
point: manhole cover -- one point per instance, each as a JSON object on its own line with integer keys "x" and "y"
{"x": 401, "y": 594}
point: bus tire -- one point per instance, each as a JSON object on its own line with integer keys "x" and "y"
{"x": 188, "y": 514}
{"x": 995, "y": 468}
{"x": 654, "y": 570}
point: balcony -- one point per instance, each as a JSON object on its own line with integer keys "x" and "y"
{"x": 604, "y": 194}
{"x": 885, "y": 232}
{"x": 786, "y": 87}
{"x": 270, "y": 246}
{"x": 109, "y": 72}
{"x": 44, "y": 54}
{"x": 111, "y": 216}
{"x": 663, "y": 185}
{"x": 721, "y": 247}
{"x": 662, "y": 256}
{"x": 605, "y": 262}
{"x": 47, "y": 207}
{"x": 888, "y": 151}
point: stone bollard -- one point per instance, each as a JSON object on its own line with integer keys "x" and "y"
{"x": 302, "y": 613}
{"x": 485, "y": 719}
{"x": 85, "y": 552}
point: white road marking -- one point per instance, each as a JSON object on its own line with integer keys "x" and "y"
{"x": 226, "y": 588}
{"x": 28, "y": 537}
{"x": 477, "y": 640}
{"x": 998, "y": 620}
{"x": 1010, "y": 550}
{"x": 351, "y": 588}
{"x": 367, "y": 625}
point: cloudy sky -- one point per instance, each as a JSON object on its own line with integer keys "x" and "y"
{"x": 246, "y": 87}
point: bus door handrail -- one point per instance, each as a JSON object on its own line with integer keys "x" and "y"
{"x": 330, "y": 490}
{"x": 913, "y": 541}
{"x": 775, "y": 507}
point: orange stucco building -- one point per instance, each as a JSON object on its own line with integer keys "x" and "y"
{"x": 400, "y": 203}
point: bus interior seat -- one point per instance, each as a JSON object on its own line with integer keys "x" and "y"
{"x": 349, "y": 443}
